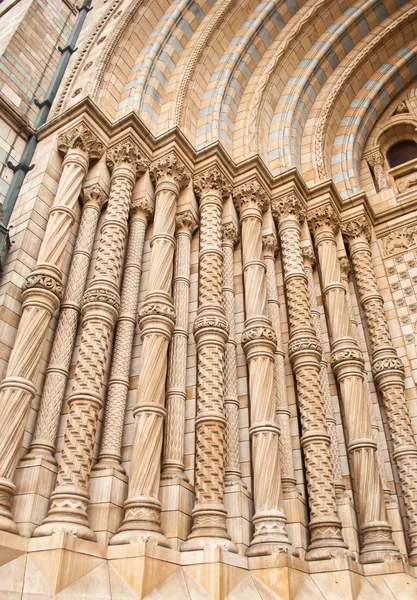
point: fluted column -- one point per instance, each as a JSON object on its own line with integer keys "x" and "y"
{"x": 101, "y": 303}
{"x": 259, "y": 343}
{"x": 41, "y": 295}
{"x": 305, "y": 354}
{"x": 388, "y": 371}
{"x": 231, "y": 403}
{"x": 156, "y": 319}
{"x": 173, "y": 456}
{"x": 270, "y": 249}
{"x": 210, "y": 332}
{"x": 348, "y": 365}
{"x": 309, "y": 261}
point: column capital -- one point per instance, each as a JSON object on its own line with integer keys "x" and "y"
{"x": 357, "y": 229}
{"x": 252, "y": 196}
{"x": 270, "y": 245}
{"x": 230, "y": 234}
{"x": 186, "y": 222}
{"x": 170, "y": 168}
{"x": 324, "y": 218}
{"x": 289, "y": 205}
{"x": 127, "y": 152}
{"x": 142, "y": 206}
{"x": 211, "y": 181}
{"x": 81, "y": 138}
{"x": 309, "y": 258}
{"x": 94, "y": 196}
{"x": 374, "y": 157}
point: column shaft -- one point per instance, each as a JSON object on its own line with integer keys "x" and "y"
{"x": 42, "y": 293}
{"x": 388, "y": 372}
{"x": 305, "y": 354}
{"x": 101, "y": 303}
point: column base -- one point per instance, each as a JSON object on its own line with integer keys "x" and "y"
{"x": 177, "y": 499}
{"x": 35, "y": 482}
{"x": 7, "y": 489}
{"x": 327, "y": 542}
{"x": 108, "y": 490}
{"x": 208, "y": 542}
{"x": 129, "y": 536}
{"x": 378, "y": 545}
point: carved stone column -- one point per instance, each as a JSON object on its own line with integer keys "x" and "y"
{"x": 41, "y": 295}
{"x": 388, "y": 371}
{"x": 156, "y": 319}
{"x": 348, "y": 365}
{"x": 305, "y": 353}
{"x": 108, "y": 477}
{"x": 176, "y": 492}
{"x": 376, "y": 161}
{"x": 37, "y": 470}
{"x": 210, "y": 332}
{"x": 293, "y": 504}
{"x": 69, "y": 501}
{"x": 259, "y": 343}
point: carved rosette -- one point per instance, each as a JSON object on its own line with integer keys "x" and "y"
{"x": 348, "y": 366}
{"x": 41, "y": 297}
{"x": 305, "y": 353}
{"x": 100, "y": 308}
{"x": 259, "y": 342}
{"x": 156, "y": 320}
{"x": 173, "y": 454}
{"x": 270, "y": 249}
{"x": 211, "y": 333}
{"x": 388, "y": 372}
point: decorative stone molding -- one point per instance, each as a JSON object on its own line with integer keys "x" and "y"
{"x": 44, "y": 282}
{"x": 400, "y": 240}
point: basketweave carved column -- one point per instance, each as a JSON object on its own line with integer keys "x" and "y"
{"x": 305, "y": 353}
{"x": 270, "y": 250}
{"x": 42, "y": 293}
{"x": 388, "y": 371}
{"x": 210, "y": 332}
{"x": 173, "y": 456}
{"x": 156, "y": 319}
{"x": 108, "y": 481}
{"x": 348, "y": 365}
{"x": 39, "y": 466}
{"x": 309, "y": 262}
{"x": 230, "y": 237}
{"x": 101, "y": 302}
{"x": 259, "y": 343}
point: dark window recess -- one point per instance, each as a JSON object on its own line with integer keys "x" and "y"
{"x": 401, "y": 153}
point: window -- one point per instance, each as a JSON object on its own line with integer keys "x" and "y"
{"x": 401, "y": 153}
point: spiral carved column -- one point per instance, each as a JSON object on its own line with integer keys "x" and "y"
{"x": 210, "y": 332}
{"x": 42, "y": 293}
{"x": 348, "y": 365}
{"x": 156, "y": 319}
{"x": 38, "y": 468}
{"x": 259, "y": 344}
{"x": 69, "y": 501}
{"x": 388, "y": 371}
{"x": 305, "y": 354}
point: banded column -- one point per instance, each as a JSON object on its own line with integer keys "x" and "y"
{"x": 42, "y": 293}
{"x": 38, "y": 468}
{"x": 348, "y": 365}
{"x": 259, "y": 343}
{"x": 210, "y": 332}
{"x": 108, "y": 482}
{"x": 305, "y": 353}
{"x": 156, "y": 319}
{"x": 70, "y": 499}
{"x": 388, "y": 371}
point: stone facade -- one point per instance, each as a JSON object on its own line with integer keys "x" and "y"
{"x": 208, "y": 314}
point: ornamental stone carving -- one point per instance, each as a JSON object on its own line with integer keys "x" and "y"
{"x": 82, "y": 138}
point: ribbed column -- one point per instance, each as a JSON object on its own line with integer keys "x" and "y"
{"x": 388, "y": 371}
{"x": 156, "y": 319}
{"x": 173, "y": 456}
{"x": 41, "y": 295}
{"x": 270, "y": 248}
{"x": 259, "y": 344}
{"x": 231, "y": 403}
{"x": 309, "y": 261}
{"x": 348, "y": 365}
{"x": 101, "y": 303}
{"x": 305, "y": 353}
{"x": 210, "y": 332}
